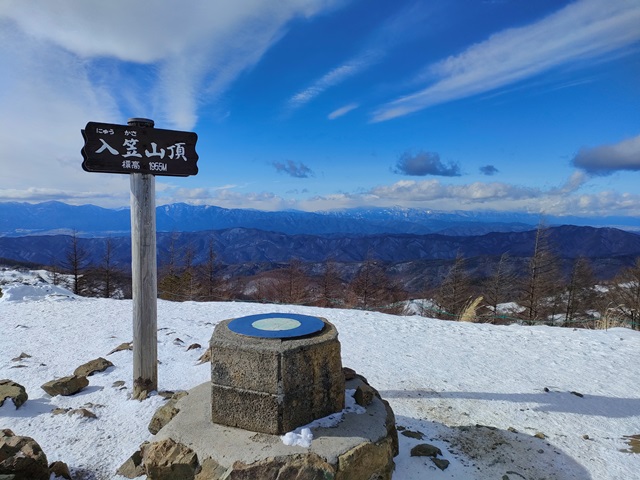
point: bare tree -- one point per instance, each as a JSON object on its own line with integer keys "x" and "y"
{"x": 499, "y": 286}
{"x": 168, "y": 278}
{"x": 455, "y": 290}
{"x": 293, "y": 285}
{"x": 625, "y": 295}
{"x": 329, "y": 292}
{"x": 540, "y": 284}
{"x": 370, "y": 286}
{"x": 579, "y": 291}
{"x": 209, "y": 277}
{"x": 76, "y": 261}
{"x": 107, "y": 268}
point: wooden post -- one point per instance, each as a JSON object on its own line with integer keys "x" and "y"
{"x": 144, "y": 278}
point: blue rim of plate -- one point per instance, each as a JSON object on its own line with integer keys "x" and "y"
{"x": 276, "y": 325}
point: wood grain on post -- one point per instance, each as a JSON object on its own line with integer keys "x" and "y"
{"x": 144, "y": 279}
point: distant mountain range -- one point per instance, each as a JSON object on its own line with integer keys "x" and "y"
{"x": 413, "y": 244}
{"x": 258, "y": 250}
{"x": 50, "y": 218}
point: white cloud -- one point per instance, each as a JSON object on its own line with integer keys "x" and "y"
{"x": 334, "y": 77}
{"x": 66, "y": 62}
{"x": 584, "y": 30}
{"x": 431, "y": 194}
{"x": 339, "y": 112}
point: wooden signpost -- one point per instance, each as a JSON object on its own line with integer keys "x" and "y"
{"x": 141, "y": 151}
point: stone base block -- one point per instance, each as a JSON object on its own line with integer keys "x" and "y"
{"x": 273, "y": 385}
{"x": 361, "y": 447}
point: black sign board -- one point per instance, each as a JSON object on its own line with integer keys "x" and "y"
{"x": 110, "y": 148}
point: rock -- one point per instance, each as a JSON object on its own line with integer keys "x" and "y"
{"x": 118, "y": 384}
{"x": 20, "y": 357}
{"x": 133, "y": 467}
{"x": 412, "y": 434}
{"x": 205, "y": 357}
{"x": 390, "y": 425}
{"x": 21, "y": 458}
{"x": 304, "y": 466}
{"x": 364, "y": 395}
{"x": 163, "y": 415}
{"x": 98, "y": 365}
{"x": 425, "y": 450}
{"x": 168, "y": 460}
{"x": 65, "y": 386}
{"x": 349, "y": 373}
{"x": 14, "y": 391}
{"x": 122, "y": 347}
{"x": 577, "y": 394}
{"x": 367, "y": 461}
{"x": 83, "y": 412}
{"x": 210, "y": 470}
{"x": 60, "y": 469}
{"x": 60, "y": 411}
{"x": 540, "y": 435}
{"x": 441, "y": 463}
{"x": 193, "y": 346}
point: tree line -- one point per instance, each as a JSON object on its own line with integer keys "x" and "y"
{"x": 538, "y": 289}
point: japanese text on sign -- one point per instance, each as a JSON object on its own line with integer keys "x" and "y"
{"x": 126, "y": 149}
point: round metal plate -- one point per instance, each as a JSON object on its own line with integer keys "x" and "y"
{"x": 276, "y": 325}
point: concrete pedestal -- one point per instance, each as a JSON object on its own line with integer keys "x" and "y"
{"x": 274, "y": 385}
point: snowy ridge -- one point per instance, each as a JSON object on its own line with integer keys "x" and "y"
{"x": 478, "y": 392}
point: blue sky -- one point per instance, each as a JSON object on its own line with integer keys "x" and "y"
{"x": 512, "y": 105}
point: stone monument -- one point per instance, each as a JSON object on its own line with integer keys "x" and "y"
{"x": 272, "y": 373}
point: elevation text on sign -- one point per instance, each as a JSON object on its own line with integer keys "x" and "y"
{"x": 111, "y": 148}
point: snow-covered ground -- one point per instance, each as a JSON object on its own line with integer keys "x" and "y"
{"x": 480, "y": 393}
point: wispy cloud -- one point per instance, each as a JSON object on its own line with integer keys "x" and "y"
{"x": 342, "y": 111}
{"x": 334, "y": 77}
{"x": 425, "y": 163}
{"x": 293, "y": 169}
{"x": 584, "y": 30}
{"x": 407, "y": 24}
{"x": 66, "y": 62}
{"x": 607, "y": 159}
